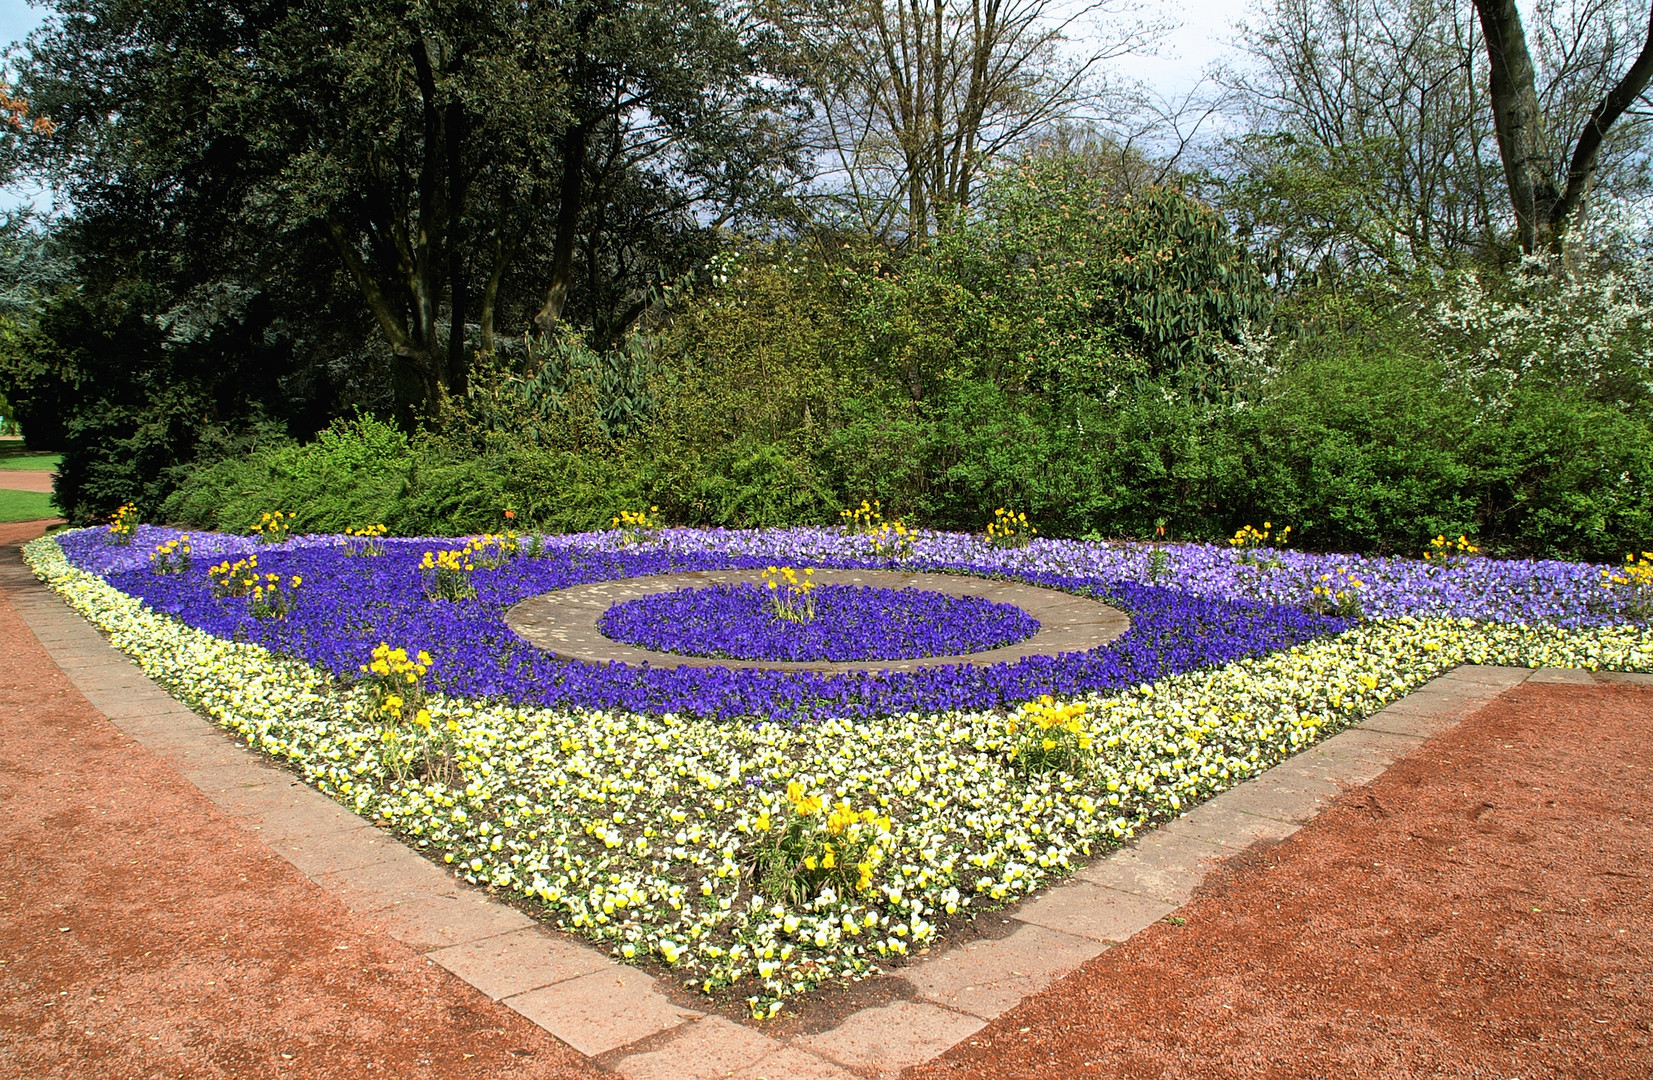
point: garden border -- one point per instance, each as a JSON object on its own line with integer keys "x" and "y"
{"x": 619, "y": 1015}
{"x": 564, "y": 622}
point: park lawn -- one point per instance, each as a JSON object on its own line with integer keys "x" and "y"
{"x": 25, "y": 506}
{"x": 13, "y": 455}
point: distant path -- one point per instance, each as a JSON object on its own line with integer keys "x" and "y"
{"x": 37, "y": 480}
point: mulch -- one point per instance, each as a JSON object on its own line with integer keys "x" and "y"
{"x": 1479, "y": 910}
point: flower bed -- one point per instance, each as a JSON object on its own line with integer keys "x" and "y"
{"x": 684, "y": 838}
{"x": 849, "y": 622}
{"x": 351, "y": 603}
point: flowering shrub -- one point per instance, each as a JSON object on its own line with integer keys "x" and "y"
{"x": 1337, "y": 593}
{"x": 625, "y": 827}
{"x": 1633, "y": 583}
{"x": 851, "y": 622}
{"x": 1547, "y": 325}
{"x": 1009, "y": 530}
{"x": 448, "y": 574}
{"x": 637, "y": 526}
{"x": 171, "y": 556}
{"x": 492, "y": 550}
{"x": 863, "y": 520}
{"x": 123, "y": 525}
{"x": 804, "y": 848}
{"x": 274, "y": 597}
{"x": 274, "y": 528}
{"x": 790, "y": 597}
{"x": 1249, "y": 543}
{"x": 367, "y": 541}
{"x": 1450, "y": 553}
{"x": 893, "y": 541}
{"x": 407, "y": 733}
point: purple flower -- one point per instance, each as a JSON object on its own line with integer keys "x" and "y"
{"x": 852, "y": 622}
{"x": 349, "y": 604}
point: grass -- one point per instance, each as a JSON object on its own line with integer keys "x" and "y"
{"x": 13, "y": 455}
{"x": 25, "y": 506}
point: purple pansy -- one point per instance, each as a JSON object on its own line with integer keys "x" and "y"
{"x": 1196, "y": 606}
{"x": 349, "y": 604}
{"x": 852, "y": 622}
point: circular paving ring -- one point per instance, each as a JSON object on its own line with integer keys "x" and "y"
{"x": 564, "y": 623}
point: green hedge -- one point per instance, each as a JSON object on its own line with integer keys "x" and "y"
{"x": 1356, "y": 457}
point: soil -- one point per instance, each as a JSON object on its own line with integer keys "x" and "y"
{"x": 1481, "y": 909}
{"x": 144, "y": 934}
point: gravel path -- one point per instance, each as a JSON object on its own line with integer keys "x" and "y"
{"x": 1481, "y": 909}
{"x": 36, "y": 480}
{"x": 142, "y": 934}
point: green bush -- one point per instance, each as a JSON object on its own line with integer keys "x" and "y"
{"x": 1089, "y": 365}
{"x": 355, "y": 473}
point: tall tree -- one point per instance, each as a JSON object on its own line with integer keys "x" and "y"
{"x": 919, "y": 96}
{"x": 1546, "y": 194}
{"x": 1374, "y": 140}
{"x": 469, "y": 163}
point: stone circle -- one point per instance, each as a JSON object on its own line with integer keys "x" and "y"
{"x": 564, "y": 623}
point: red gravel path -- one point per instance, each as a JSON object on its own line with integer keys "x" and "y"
{"x": 1481, "y": 909}
{"x": 36, "y": 480}
{"x": 143, "y": 934}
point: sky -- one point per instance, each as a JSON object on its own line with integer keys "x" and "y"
{"x": 17, "y": 18}
{"x": 1203, "y": 37}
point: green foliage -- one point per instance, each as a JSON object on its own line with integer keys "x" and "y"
{"x": 25, "y": 506}
{"x": 355, "y": 473}
{"x": 798, "y": 381}
{"x": 1050, "y": 285}
{"x": 15, "y": 454}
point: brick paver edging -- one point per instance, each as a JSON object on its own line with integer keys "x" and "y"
{"x": 564, "y": 622}
{"x": 619, "y": 1015}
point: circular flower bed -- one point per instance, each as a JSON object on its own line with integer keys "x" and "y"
{"x": 350, "y": 603}
{"x": 850, "y": 622}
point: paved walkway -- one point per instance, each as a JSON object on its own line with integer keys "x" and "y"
{"x": 180, "y": 854}
{"x": 36, "y": 480}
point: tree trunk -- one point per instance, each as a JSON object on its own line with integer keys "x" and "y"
{"x": 1518, "y": 121}
{"x": 569, "y": 204}
{"x": 457, "y": 128}
{"x": 1544, "y": 208}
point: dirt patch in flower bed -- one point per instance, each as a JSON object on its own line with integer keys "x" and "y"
{"x": 146, "y": 935}
{"x": 1480, "y": 909}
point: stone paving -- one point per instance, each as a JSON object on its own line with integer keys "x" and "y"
{"x": 622, "y": 1017}
{"x": 564, "y": 623}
